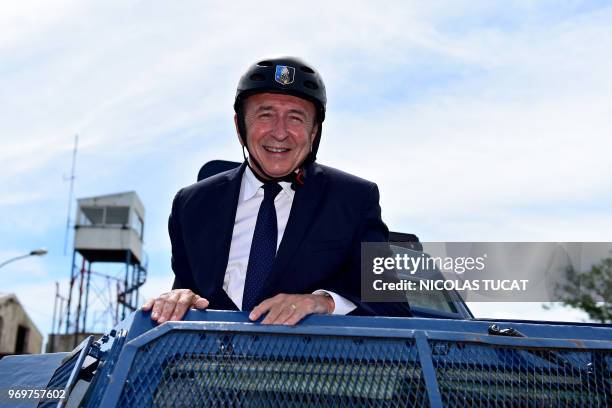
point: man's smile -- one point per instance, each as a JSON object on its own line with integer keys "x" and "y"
{"x": 272, "y": 149}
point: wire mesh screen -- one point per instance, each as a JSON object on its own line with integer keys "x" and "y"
{"x": 477, "y": 375}
{"x": 189, "y": 368}
{"x": 58, "y": 381}
{"x": 105, "y": 370}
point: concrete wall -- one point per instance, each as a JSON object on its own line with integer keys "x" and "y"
{"x": 67, "y": 342}
{"x": 12, "y": 315}
{"x": 108, "y": 238}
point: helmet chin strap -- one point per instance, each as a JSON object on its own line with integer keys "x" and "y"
{"x": 258, "y": 169}
{"x": 295, "y": 177}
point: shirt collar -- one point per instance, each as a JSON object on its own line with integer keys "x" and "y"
{"x": 251, "y": 185}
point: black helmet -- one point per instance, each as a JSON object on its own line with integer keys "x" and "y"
{"x": 285, "y": 75}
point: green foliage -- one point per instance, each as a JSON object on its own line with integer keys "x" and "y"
{"x": 590, "y": 291}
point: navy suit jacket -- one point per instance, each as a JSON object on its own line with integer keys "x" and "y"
{"x": 332, "y": 213}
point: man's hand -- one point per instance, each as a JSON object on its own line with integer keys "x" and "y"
{"x": 173, "y": 305}
{"x": 290, "y": 309}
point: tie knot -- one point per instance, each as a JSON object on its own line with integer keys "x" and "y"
{"x": 271, "y": 190}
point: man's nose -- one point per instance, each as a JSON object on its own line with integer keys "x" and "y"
{"x": 279, "y": 132}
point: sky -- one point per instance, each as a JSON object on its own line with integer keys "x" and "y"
{"x": 478, "y": 120}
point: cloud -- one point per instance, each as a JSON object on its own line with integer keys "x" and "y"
{"x": 479, "y": 120}
{"x": 24, "y": 20}
{"x": 529, "y": 130}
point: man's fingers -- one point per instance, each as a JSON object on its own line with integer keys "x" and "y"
{"x": 287, "y": 311}
{"x": 296, "y": 311}
{"x": 265, "y": 306}
{"x": 290, "y": 309}
{"x": 262, "y": 308}
{"x": 157, "y": 308}
{"x": 258, "y": 311}
{"x": 158, "y": 305}
{"x": 182, "y": 305}
{"x": 295, "y": 317}
{"x": 201, "y": 303}
{"x": 275, "y": 313}
{"x": 173, "y": 305}
{"x": 169, "y": 306}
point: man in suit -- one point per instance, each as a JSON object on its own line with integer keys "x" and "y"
{"x": 281, "y": 235}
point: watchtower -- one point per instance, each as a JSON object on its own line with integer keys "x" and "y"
{"x": 108, "y": 230}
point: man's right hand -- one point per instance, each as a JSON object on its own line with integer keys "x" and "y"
{"x": 173, "y": 305}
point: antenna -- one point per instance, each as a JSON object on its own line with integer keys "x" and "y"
{"x": 71, "y": 179}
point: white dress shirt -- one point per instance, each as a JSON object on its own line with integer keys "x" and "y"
{"x": 249, "y": 201}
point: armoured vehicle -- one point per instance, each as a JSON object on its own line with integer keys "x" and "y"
{"x": 442, "y": 357}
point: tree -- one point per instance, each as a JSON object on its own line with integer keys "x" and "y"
{"x": 590, "y": 291}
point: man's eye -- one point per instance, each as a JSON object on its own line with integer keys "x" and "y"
{"x": 297, "y": 119}
{"x": 264, "y": 115}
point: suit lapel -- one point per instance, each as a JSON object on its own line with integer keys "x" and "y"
{"x": 222, "y": 225}
{"x": 303, "y": 210}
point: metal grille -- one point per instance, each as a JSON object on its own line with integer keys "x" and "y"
{"x": 105, "y": 371}
{"x": 478, "y": 375}
{"x": 59, "y": 380}
{"x": 214, "y": 368}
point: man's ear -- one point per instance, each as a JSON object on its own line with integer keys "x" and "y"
{"x": 237, "y": 129}
{"x": 313, "y": 133}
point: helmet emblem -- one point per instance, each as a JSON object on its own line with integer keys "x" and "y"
{"x": 284, "y": 74}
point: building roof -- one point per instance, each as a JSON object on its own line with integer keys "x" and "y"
{"x": 127, "y": 198}
{"x": 6, "y": 296}
{"x": 11, "y": 297}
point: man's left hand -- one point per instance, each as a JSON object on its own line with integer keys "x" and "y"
{"x": 290, "y": 309}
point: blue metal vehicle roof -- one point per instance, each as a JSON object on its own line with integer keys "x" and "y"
{"x": 26, "y": 372}
{"x": 139, "y": 323}
{"x": 221, "y": 358}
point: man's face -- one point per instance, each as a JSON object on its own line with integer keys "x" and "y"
{"x": 280, "y": 130}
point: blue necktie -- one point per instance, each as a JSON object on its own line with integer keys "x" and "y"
{"x": 263, "y": 248}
